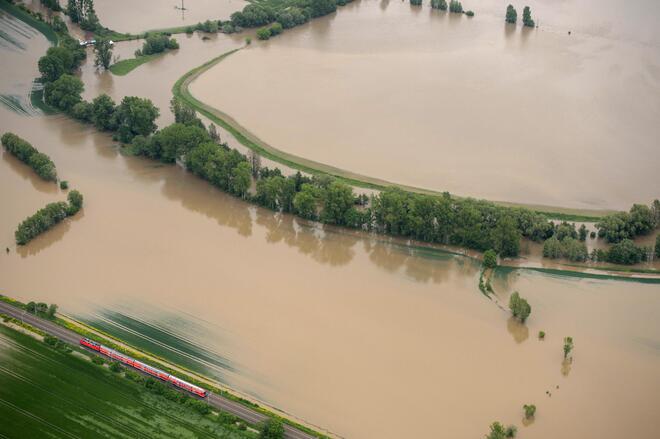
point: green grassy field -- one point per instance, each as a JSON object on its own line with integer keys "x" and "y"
{"x": 47, "y": 393}
{"x": 124, "y": 67}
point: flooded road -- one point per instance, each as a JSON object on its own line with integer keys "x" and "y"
{"x": 138, "y": 16}
{"x": 434, "y": 100}
{"x": 357, "y": 334}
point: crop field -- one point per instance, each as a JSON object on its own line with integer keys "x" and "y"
{"x": 47, "y": 393}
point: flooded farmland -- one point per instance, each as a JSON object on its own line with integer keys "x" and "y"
{"x": 441, "y": 101}
{"x": 143, "y": 15}
{"x": 361, "y": 335}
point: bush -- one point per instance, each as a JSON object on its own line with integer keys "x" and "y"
{"x": 416, "y": 2}
{"x": 530, "y": 410}
{"x": 158, "y": 43}
{"x": 263, "y": 33}
{"x": 275, "y": 29}
{"x": 471, "y": 14}
{"x": 64, "y": 185}
{"x": 542, "y": 335}
{"x": 75, "y": 202}
{"x": 657, "y": 246}
{"x": 25, "y": 152}
{"x": 490, "y": 259}
{"x": 272, "y": 428}
{"x": 115, "y": 367}
{"x": 97, "y": 360}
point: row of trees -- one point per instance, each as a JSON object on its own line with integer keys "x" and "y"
{"x": 47, "y": 217}
{"x": 640, "y": 220}
{"x": 288, "y": 13}
{"x": 465, "y": 222}
{"x": 41, "y": 309}
{"x": 624, "y": 252}
{"x": 511, "y": 16}
{"x": 568, "y": 248}
{"x": 25, "y": 152}
{"x": 83, "y": 13}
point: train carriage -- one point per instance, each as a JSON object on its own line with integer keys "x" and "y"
{"x": 157, "y": 373}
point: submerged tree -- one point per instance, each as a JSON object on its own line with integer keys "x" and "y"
{"x": 511, "y": 14}
{"x": 568, "y": 346}
{"x": 519, "y": 307}
{"x": 103, "y": 53}
{"x": 497, "y": 431}
{"x": 527, "y": 17}
{"x": 439, "y": 4}
{"x": 530, "y": 410}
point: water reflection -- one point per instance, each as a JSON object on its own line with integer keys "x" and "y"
{"x": 519, "y": 331}
{"x": 47, "y": 239}
{"x": 28, "y": 173}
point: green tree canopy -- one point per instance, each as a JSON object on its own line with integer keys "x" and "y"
{"x": 64, "y": 93}
{"x": 135, "y": 116}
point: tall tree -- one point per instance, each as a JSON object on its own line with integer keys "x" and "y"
{"x": 511, "y": 14}
{"x": 103, "y": 53}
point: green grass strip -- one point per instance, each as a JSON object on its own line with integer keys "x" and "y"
{"x": 124, "y": 67}
{"x": 249, "y": 140}
{"x": 583, "y": 275}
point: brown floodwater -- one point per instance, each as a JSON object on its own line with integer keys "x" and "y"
{"x": 358, "y": 334}
{"x": 473, "y": 106}
{"x": 143, "y": 15}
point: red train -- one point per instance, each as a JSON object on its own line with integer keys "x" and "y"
{"x": 144, "y": 367}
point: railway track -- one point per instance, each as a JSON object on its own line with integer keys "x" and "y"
{"x": 215, "y": 400}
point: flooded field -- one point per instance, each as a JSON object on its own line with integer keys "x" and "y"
{"x": 440, "y": 101}
{"x": 142, "y": 15}
{"x": 357, "y": 334}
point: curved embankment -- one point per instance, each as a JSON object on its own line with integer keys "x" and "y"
{"x": 251, "y": 141}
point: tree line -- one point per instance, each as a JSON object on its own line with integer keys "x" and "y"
{"x": 288, "y": 13}
{"x": 47, "y": 217}
{"x": 465, "y": 222}
{"x": 25, "y": 152}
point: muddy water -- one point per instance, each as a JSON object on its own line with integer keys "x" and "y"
{"x": 361, "y": 336}
{"x": 138, "y": 16}
{"x": 472, "y": 106}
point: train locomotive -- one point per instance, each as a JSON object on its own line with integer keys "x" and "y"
{"x": 157, "y": 373}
